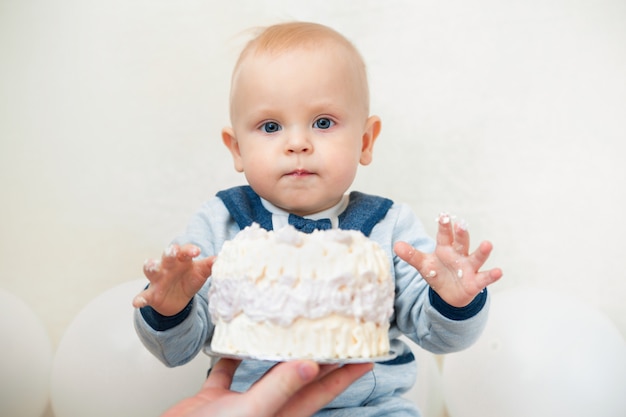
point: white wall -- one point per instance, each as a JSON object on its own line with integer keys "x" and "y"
{"x": 510, "y": 114}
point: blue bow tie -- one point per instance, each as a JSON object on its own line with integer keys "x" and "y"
{"x": 309, "y": 225}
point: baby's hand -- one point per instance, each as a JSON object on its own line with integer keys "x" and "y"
{"x": 174, "y": 279}
{"x": 451, "y": 271}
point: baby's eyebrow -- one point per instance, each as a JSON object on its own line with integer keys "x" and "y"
{"x": 325, "y": 104}
{"x": 262, "y": 113}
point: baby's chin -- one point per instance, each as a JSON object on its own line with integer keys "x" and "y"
{"x": 302, "y": 202}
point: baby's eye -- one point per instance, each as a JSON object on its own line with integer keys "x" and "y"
{"x": 323, "y": 123}
{"x": 270, "y": 127}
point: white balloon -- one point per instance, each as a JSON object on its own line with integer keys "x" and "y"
{"x": 25, "y": 359}
{"x": 542, "y": 354}
{"x": 101, "y": 369}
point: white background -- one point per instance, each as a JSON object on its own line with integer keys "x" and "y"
{"x": 508, "y": 114}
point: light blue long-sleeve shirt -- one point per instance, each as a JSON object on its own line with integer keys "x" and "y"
{"x": 419, "y": 313}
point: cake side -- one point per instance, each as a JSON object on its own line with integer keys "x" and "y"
{"x": 330, "y": 337}
{"x": 290, "y": 294}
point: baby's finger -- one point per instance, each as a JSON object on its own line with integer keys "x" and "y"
{"x": 170, "y": 256}
{"x": 445, "y": 235}
{"x": 151, "y": 268}
{"x": 417, "y": 260}
{"x": 141, "y": 299}
{"x": 187, "y": 252}
{"x": 205, "y": 266}
{"x": 478, "y": 258}
{"x": 171, "y": 251}
{"x": 461, "y": 238}
{"x": 486, "y": 278}
{"x": 409, "y": 254}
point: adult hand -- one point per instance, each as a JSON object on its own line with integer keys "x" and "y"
{"x": 294, "y": 389}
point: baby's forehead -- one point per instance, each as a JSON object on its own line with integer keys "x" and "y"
{"x": 344, "y": 64}
{"x": 267, "y": 49}
{"x": 333, "y": 50}
{"x": 330, "y": 59}
{"x": 296, "y": 36}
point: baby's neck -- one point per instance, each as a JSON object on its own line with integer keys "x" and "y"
{"x": 280, "y": 217}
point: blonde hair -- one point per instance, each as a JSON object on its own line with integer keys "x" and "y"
{"x": 283, "y": 37}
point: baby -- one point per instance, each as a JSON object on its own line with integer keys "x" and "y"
{"x": 301, "y": 126}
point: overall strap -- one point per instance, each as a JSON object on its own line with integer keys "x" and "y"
{"x": 245, "y": 206}
{"x": 364, "y": 211}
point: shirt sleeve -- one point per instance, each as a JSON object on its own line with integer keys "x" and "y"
{"x": 178, "y": 339}
{"x": 419, "y": 312}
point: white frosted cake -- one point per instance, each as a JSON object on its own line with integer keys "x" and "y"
{"x": 286, "y": 294}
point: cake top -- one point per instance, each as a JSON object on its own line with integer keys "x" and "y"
{"x": 288, "y": 235}
{"x": 281, "y": 275}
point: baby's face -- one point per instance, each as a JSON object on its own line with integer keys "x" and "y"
{"x": 300, "y": 127}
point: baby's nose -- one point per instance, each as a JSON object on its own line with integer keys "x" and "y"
{"x": 298, "y": 143}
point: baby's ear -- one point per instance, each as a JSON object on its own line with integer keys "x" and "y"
{"x": 372, "y": 129}
{"x": 229, "y": 139}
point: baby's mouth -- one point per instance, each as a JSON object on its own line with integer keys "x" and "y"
{"x": 299, "y": 173}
